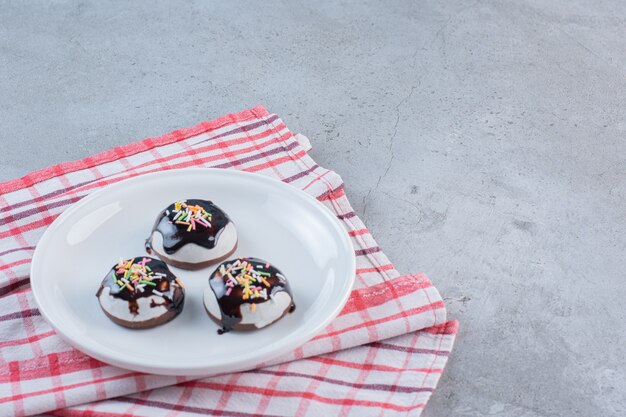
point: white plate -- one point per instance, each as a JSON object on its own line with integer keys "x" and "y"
{"x": 275, "y": 222}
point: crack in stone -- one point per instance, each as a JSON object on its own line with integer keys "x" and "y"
{"x": 413, "y": 65}
{"x": 389, "y": 147}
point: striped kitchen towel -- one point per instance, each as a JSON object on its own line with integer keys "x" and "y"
{"x": 383, "y": 355}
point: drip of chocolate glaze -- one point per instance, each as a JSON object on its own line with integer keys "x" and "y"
{"x": 175, "y": 236}
{"x": 162, "y": 285}
{"x": 230, "y": 305}
{"x": 133, "y": 307}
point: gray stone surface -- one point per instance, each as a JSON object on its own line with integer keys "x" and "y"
{"x": 483, "y": 142}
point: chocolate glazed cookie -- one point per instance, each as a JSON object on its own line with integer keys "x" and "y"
{"x": 247, "y": 293}
{"x": 140, "y": 293}
{"x": 192, "y": 234}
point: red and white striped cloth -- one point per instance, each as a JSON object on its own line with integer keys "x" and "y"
{"x": 382, "y": 356}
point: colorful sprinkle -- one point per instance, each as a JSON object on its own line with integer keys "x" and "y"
{"x": 135, "y": 276}
{"x": 241, "y": 273}
{"x": 189, "y": 216}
